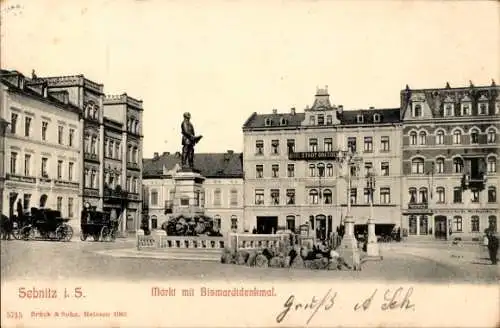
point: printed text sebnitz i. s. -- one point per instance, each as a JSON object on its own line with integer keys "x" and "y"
{"x": 50, "y": 293}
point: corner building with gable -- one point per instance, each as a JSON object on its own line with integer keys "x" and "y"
{"x": 292, "y": 173}
{"x": 450, "y": 159}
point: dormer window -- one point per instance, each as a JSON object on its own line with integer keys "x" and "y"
{"x": 448, "y": 110}
{"x": 417, "y": 110}
{"x": 466, "y": 109}
{"x": 359, "y": 118}
{"x": 329, "y": 120}
{"x": 376, "y": 118}
{"x": 483, "y": 108}
{"x": 312, "y": 120}
{"x": 284, "y": 121}
{"x": 321, "y": 119}
{"x": 268, "y": 122}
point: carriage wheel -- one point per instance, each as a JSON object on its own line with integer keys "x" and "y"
{"x": 16, "y": 233}
{"x": 83, "y": 236}
{"x": 104, "y": 233}
{"x": 25, "y": 233}
{"x": 68, "y": 232}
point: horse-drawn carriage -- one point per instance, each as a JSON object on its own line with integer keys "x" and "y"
{"x": 99, "y": 225}
{"x": 45, "y": 223}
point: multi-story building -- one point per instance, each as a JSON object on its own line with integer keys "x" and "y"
{"x": 41, "y": 145}
{"x": 123, "y": 159}
{"x": 292, "y": 171}
{"x": 450, "y": 157}
{"x": 222, "y": 197}
{"x": 91, "y": 143}
{"x": 3, "y": 128}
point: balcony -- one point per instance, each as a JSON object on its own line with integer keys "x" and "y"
{"x": 45, "y": 178}
{"x": 418, "y": 206}
{"x": 91, "y": 157}
{"x": 133, "y": 196}
{"x": 20, "y": 178}
{"x": 90, "y": 192}
{"x": 474, "y": 181}
{"x": 64, "y": 183}
{"x": 132, "y": 166}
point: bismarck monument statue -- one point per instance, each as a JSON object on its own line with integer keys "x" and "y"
{"x": 189, "y": 140}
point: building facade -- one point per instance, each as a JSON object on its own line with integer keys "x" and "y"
{"x": 450, "y": 160}
{"x": 41, "y": 146}
{"x": 293, "y": 171}
{"x": 222, "y": 197}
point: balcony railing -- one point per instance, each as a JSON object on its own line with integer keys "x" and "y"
{"x": 65, "y": 183}
{"x": 418, "y": 206}
{"x": 20, "y": 178}
{"x": 132, "y": 165}
{"x": 91, "y": 192}
{"x": 474, "y": 181}
{"x": 91, "y": 157}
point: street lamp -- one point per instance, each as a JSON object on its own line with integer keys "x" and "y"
{"x": 372, "y": 249}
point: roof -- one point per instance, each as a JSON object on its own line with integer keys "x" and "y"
{"x": 211, "y": 165}
{"x": 259, "y": 120}
{"x": 387, "y": 115}
{"x": 28, "y": 92}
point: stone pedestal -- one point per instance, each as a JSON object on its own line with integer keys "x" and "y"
{"x": 372, "y": 249}
{"x": 348, "y": 248}
{"x": 189, "y": 195}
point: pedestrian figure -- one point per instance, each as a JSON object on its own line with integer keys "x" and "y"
{"x": 492, "y": 246}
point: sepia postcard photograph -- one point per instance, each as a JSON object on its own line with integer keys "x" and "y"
{"x": 280, "y": 163}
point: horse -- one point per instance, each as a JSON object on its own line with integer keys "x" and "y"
{"x": 6, "y": 227}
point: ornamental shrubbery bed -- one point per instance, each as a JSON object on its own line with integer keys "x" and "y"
{"x": 292, "y": 258}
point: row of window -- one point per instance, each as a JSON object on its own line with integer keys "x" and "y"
{"x": 44, "y": 171}
{"x": 420, "y": 224}
{"x": 112, "y": 149}
{"x": 322, "y": 196}
{"x": 417, "y": 165}
{"x": 465, "y": 108}
{"x": 133, "y": 125}
{"x": 91, "y": 180}
{"x": 327, "y": 145}
{"x": 217, "y": 200}
{"x": 422, "y": 137}
{"x": 421, "y": 196}
{"x": 45, "y": 126}
{"x": 321, "y": 170}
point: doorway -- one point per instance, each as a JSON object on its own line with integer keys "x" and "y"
{"x": 267, "y": 224}
{"x": 440, "y": 227}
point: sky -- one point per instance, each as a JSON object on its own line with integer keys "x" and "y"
{"x": 224, "y": 60}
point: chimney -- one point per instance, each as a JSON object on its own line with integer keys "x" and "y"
{"x": 156, "y": 155}
{"x": 340, "y": 109}
{"x": 165, "y": 153}
{"x": 275, "y": 111}
{"x": 372, "y": 107}
{"x": 177, "y": 154}
{"x": 230, "y": 152}
{"x": 292, "y": 110}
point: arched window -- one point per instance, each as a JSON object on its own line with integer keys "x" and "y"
{"x": 290, "y": 222}
{"x": 457, "y": 137}
{"x": 474, "y": 136}
{"x": 136, "y": 127}
{"x": 492, "y": 164}
{"x": 234, "y": 222}
{"x": 217, "y": 197}
{"x": 492, "y": 223}
{"x": 313, "y": 196}
{"x": 312, "y": 170}
{"x": 417, "y": 166}
{"x": 329, "y": 169}
{"x": 423, "y": 138}
{"x": 440, "y": 137}
{"x": 321, "y": 169}
{"x": 458, "y": 165}
{"x": 413, "y": 138}
{"x": 327, "y": 195}
{"x": 440, "y": 165}
{"x": 412, "y": 193}
{"x": 474, "y": 223}
{"x": 457, "y": 223}
{"x": 491, "y": 136}
{"x": 492, "y": 194}
{"x": 423, "y": 195}
{"x": 441, "y": 195}
{"x": 154, "y": 222}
